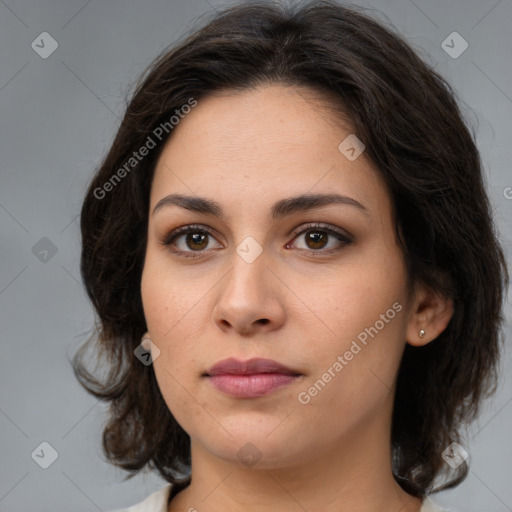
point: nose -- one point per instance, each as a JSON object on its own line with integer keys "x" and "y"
{"x": 250, "y": 298}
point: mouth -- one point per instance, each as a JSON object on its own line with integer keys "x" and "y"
{"x": 250, "y": 379}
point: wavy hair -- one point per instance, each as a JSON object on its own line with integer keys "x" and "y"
{"x": 415, "y": 134}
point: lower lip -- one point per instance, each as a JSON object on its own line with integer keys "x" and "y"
{"x": 251, "y": 386}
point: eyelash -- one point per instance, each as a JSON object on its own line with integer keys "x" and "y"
{"x": 345, "y": 239}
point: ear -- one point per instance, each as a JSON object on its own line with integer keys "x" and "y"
{"x": 430, "y": 313}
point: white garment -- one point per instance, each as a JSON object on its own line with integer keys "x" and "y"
{"x": 157, "y": 502}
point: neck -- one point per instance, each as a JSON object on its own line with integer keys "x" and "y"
{"x": 355, "y": 476}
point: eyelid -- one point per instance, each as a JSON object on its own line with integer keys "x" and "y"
{"x": 167, "y": 239}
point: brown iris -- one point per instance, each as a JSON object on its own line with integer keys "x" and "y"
{"x": 316, "y": 239}
{"x": 197, "y": 241}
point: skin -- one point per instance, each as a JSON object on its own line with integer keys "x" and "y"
{"x": 295, "y": 303}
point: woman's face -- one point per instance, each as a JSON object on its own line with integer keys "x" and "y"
{"x": 318, "y": 286}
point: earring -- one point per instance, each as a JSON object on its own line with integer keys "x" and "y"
{"x": 421, "y": 333}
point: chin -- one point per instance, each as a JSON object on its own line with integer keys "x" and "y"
{"x": 255, "y": 446}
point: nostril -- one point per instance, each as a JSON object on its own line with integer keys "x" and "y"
{"x": 264, "y": 321}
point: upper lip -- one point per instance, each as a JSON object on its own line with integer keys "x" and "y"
{"x": 233, "y": 366}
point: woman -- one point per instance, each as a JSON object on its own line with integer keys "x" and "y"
{"x": 290, "y": 250}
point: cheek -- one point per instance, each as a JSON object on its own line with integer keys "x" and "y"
{"x": 167, "y": 297}
{"x": 355, "y": 296}
{"x": 363, "y": 311}
{"x": 352, "y": 375}
{"x": 175, "y": 318}
{"x": 168, "y": 312}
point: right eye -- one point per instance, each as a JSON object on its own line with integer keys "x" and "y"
{"x": 189, "y": 239}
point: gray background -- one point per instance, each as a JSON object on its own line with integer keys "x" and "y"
{"x": 58, "y": 116}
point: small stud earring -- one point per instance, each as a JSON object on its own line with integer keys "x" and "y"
{"x": 421, "y": 333}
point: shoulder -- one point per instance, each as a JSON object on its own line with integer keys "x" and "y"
{"x": 430, "y": 506}
{"x": 156, "y": 502}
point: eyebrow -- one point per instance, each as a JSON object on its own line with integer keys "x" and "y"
{"x": 280, "y": 209}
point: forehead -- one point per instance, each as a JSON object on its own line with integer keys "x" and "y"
{"x": 264, "y": 143}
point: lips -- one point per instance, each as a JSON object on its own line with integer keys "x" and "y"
{"x": 250, "y": 379}
{"x": 233, "y": 366}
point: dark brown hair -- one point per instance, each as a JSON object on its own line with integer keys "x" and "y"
{"x": 408, "y": 118}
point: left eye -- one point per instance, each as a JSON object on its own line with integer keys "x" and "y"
{"x": 318, "y": 238}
